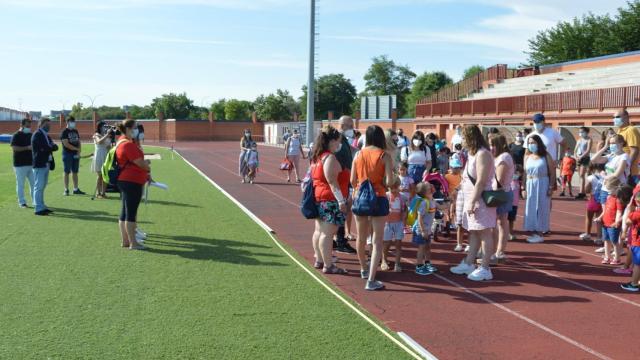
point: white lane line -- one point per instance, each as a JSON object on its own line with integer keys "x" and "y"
{"x": 417, "y": 347}
{"x": 270, "y": 232}
{"x": 529, "y": 320}
{"x": 584, "y": 286}
{"x": 577, "y": 250}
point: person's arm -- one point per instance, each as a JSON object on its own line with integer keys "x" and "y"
{"x": 302, "y": 150}
{"x": 484, "y": 162}
{"x": 620, "y": 169}
{"x": 588, "y": 151}
{"x": 598, "y": 158}
{"x": 618, "y": 217}
{"x": 16, "y": 148}
{"x": 142, "y": 163}
{"x": 553, "y": 185}
{"x": 633, "y": 154}
{"x": 286, "y": 147}
{"x": 388, "y": 169}
{"x": 354, "y": 176}
{"x": 331, "y": 169}
{"x": 501, "y": 173}
{"x": 101, "y": 140}
{"x": 423, "y": 232}
{"x": 429, "y": 157}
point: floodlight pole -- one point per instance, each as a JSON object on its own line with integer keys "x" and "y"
{"x": 311, "y": 81}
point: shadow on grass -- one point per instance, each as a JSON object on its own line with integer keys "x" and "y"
{"x": 200, "y": 248}
{"x": 76, "y": 214}
{"x": 170, "y": 203}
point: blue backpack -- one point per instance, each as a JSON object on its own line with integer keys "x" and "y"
{"x": 308, "y": 205}
{"x": 365, "y": 202}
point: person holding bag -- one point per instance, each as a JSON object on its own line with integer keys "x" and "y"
{"x": 539, "y": 181}
{"x": 372, "y": 169}
{"x": 478, "y": 218}
{"x": 292, "y": 152}
{"x": 505, "y": 168}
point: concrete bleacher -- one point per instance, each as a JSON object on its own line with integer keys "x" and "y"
{"x": 598, "y": 78}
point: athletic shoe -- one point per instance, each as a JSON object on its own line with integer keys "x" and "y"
{"x": 598, "y": 242}
{"x": 581, "y": 196}
{"x": 458, "y": 248}
{"x": 48, "y": 211}
{"x": 397, "y": 268}
{"x": 535, "y": 239}
{"x": 480, "y": 274}
{"x": 630, "y": 287}
{"x": 585, "y": 237}
{"x": 466, "y": 248}
{"x": 374, "y": 285}
{"x": 600, "y": 250}
{"x": 423, "y": 270}
{"x": 615, "y": 262}
{"x": 24, "y": 206}
{"x": 463, "y": 268}
{"x": 141, "y": 234}
{"x": 140, "y": 239}
{"x": 138, "y": 247}
{"x": 78, "y": 192}
{"x": 501, "y": 256}
{"x": 623, "y": 271}
{"x": 430, "y": 267}
{"x": 42, "y": 213}
{"x": 605, "y": 261}
{"x": 65, "y": 193}
{"x": 364, "y": 274}
{"x": 561, "y": 194}
{"x": 345, "y": 248}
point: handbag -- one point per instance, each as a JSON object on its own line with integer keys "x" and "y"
{"x": 286, "y": 165}
{"x": 365, "y": 203}
{"x": 492, "y": 198}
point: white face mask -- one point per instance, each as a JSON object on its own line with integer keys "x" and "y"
{"x": 72, "y": 125}
{"x": 348, "y": 133}
{"x": 26, "y": 130}
{"x": 417, "y": 142}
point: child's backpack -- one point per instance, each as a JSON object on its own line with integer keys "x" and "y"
{"x": 110, "y": 168}
{"x": 412, "y": 214}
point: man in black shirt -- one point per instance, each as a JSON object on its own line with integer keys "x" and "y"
{"x": 23, "y": 160}
{"x": 71, "y": 155}
{"x": 345, "y": 158}
{"x": 517, "y": 150}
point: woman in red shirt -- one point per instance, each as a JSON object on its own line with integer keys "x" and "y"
{"x": 134, "y": 172}
{"x": 330, "y": 190}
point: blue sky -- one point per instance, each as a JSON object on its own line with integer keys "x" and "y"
{"x": 130, "y": 51}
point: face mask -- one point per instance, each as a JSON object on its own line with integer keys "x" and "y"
{"x": 613, "y": 148}
{"x": 348, "y": 133}
{"x": 338, "y": 148}
{"x": 519, "y": 138}
{"x": 26, "y": 130}
{"x": 417, "y": 142}
{"x": 46, "y": 128}
{"x": 538, "y": 126}
{"x": 71, "y": 125}
{"x": 135, "y": 133}
{"x": 533, "y": 148}
{"x": 617, "y": 121}
{"x": 141, "y": 136}
{"x": 247, "y": 134}
{"x": 582, "y": 135}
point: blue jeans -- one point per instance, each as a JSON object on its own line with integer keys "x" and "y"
{"x": 41, "y": 176}
{"x": 24, "y": 173}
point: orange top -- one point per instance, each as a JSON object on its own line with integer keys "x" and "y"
{"x": 453, "y": 180}
{"x": 321, "y": 188}
{"x": 369, "y": 165}
{"x": 568, "y": 165}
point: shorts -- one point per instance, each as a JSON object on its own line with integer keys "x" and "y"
{"x": 416, "y": 172}
{"x": 418, "y": 239}
{"x": 393, "y": 231}
{"x": 584, "y": 161}
{"x": 506, "y": 207}
{"x": 611, "y": 234}
{"x": 635, "y": 255}
{"x": 71, "y": 163}
{"x": 602, "y": 197}
{"x": 329, "y": 212}
{"x": 459, "y": 208}
{"x": 593, "y": 205}
{"x": 513, "y": 213}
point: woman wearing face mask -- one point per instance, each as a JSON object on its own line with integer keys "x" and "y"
{"x": 505, "y": 168}
{"x": 134, "y": 173}
{"x": 246, "y": 142}
{"x": 582, "y": 151}
{"x": 417, "y": 155}
{"x": 539, "y": 177}
{"x": 330, "y": 195}
{"x": 293, "y": 151}
{"x": 617, "y": 163}
{"x": 517, "y": 149}
{"x": 102, "y": 143}
{"x": 431, "y": 140}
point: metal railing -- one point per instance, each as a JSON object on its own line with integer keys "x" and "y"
{"x": 590, "y": 99}
{"x": 469, "y": 85}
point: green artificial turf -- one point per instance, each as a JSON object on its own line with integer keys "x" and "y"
{"x": 212, "y": 286}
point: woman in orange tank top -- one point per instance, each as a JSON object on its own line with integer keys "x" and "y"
{"x": 373, "y": 164}
{"x": 330, "y": 195}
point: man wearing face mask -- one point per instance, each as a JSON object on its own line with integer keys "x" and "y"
{"x": 631, "y": 136}
{"x": 71, "y": 155}
{"x": 402, "y": 140}
{"x": 551, "y": 138}
{"x": 345, "y": 155}
{"x": 516, "y": 149}
{"x": 22, "y": 160}
{"x": 42, "y": 148}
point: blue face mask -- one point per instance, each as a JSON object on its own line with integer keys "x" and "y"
{"x": 533, "y": 148}
{"x": 26, "y": 130}
{"x": 134, "y": 133}
{"x": 617, "y": 121}
{"x": 45, "y": 128}
{"x": 613, "y": 148}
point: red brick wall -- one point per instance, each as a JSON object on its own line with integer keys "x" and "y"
{"x": 592, "y": 64}
{"x": 85, "y": 128}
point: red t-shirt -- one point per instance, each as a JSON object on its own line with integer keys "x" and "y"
{"x": 568, "y": 165}
{"x": 611, "y": 207}
{"x": 635, "y": 228}
{"x": 126, "y": 152}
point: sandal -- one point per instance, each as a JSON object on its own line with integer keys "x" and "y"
{"x": 318, "y": 265}
{"x": 615, "y": 262}
{"x": 605, "y": 261}
{"x": 334, "y": 270}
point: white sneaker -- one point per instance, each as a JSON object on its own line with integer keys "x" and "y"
{"x": 458, "y": 248}
{"x": 142, "y": 234}
{"x": 466, "y": 248}
{"x": 600, "y": 250}
{"x": 535, "y": 239}
{"x": 480, "y": 274}
{"x": 463, "y": 268}
{"x": 140, "y": 239}
{"x": 585, "y": 237}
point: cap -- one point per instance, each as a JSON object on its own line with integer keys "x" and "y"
{"x": 538, "y": 118}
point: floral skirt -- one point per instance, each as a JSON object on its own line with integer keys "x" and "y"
{"x": 330, "y": 213}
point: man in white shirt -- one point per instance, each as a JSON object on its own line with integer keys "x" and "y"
{"x": 551, "y": 138}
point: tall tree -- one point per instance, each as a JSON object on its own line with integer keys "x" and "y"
{"x": 475, "y": 69}
{"x": 425, "y": 85}
{"x": 334, "y": 93}
{"x": 142, "y": 112}
{"x": 275, "y": 107}
{"x": 238, "y": 109}
{"x": 627, "y": 28}
{"x": 173, "y": 106}
{"x": 217, "y": 108}
{"x": 385, "y": 77}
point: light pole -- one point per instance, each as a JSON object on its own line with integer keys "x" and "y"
{"x": 92, "y": 99}
{"x": 311, "y": 81}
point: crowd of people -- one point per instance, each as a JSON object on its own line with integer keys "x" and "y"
{"x": 395, "y": 186}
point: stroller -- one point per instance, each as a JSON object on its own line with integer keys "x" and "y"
{"x": 441, "y": 197}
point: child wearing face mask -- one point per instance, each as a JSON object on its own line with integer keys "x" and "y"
{"x": 253, "y": 162}
{"x": 611, "y": 218}
{"x": 582, "y": 150}
{"x": 568, "y": 168}
{"x": 594, "y": 185}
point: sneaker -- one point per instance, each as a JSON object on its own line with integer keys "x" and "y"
{"x": 48, "y": 211}
{"x": 623, "y": 271}
{"x": 140, "y": 239}
{"x": 42, "y": 213}
{"x": 423, "y": 270}
{"x": 463, "y": 268}
{"x": 345, "y": 248}
{"x": 397, "y": 268}
{"x": 512, "y": 237}
{"x": 458, "y": 248}
{"x": 24, "y": 206}
{"x": 605, "y": 261}
{"x": 598, "y": 242}
{"x": 374, "y": 285}
{"x": 430, "y": 267}
{"x": 630, "y": 287}
{"x": 581, "y": 196}
{"x": 501, "y": 256}
{"x": 585, "y": 237}
{"x": 600, "y": 250}
{"x": 138, "y": 247}
{"x": 384, "y": 266}
{"x": 480, "y": 274}
{"x": 364, "y": 274}
{"x": 78, "y": 192}
{"x": 466, "y": 248}
{"x": 141, "y": 234}
{"x": 535, "y": 239}
{"x": 561, "y": 194}
{"x": 65, "y": 193}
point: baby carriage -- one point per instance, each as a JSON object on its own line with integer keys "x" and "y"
{"x": 441, "y": 197}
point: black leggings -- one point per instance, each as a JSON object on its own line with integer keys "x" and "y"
{"x": 131, "y": 196}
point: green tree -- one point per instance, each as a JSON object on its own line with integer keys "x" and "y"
{"x": 81, "y": 113}
{"x": 217, "y": 108}
{"x": 276, "y": 107}
{"x": 173, "y": 106}
{"x": 238, "y": 109}
{"x": 425, "y": 85}
{"x": 627, "y": 28}
{"x": 384, "y": 77}
{"x": 141, "y": 112}
{"x": 334, "y": 93}
{"x": 475, "y": 69}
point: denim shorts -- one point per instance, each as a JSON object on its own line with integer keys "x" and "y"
{"x": 71, "y": 163}
{"x": 418, "y": 239}
{"x": 393, "y": 231}
{"x": 416, "y": 172}
{"x": 635, "y": 255}
{"x": 506, "y": 207}
{"x": 611, "y": 234}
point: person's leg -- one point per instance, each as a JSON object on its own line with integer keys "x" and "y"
{"x": 398, "y": 254}
{"x": 376, "y": 245}
{"x": 66, "y": 181}
{"x": 459, "y": 235}
{"x": 635, "y": 276}
{"x": 474, "y": 245}
{"x": 74, "y": 177}
{"x": 363, "y": 226}
{"x": 21, "y": 175}
{"x": 583, "y": 180}
{"x": 588, "y": 222}
{"x": 315, "y": 241}
{"x": 487, "y": 246}
{"x": 385, "y": 251}
{"x": 296, "y": 164}
{"x": 134, "y": 195}
{"x": 122, "y": 221}
{"x": 327, "y": 231}
{"x": 570, "y": 182}
{"x": 420, "y": 255}
{"x": 32, "y": 183}
{"x": 503, "y": 234}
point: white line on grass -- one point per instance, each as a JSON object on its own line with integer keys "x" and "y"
{"x": 270, "y": 232}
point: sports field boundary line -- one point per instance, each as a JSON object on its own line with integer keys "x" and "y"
{"x": 271, "y": 233}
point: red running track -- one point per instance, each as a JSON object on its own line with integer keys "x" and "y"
{"x": 550, "y": 300}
